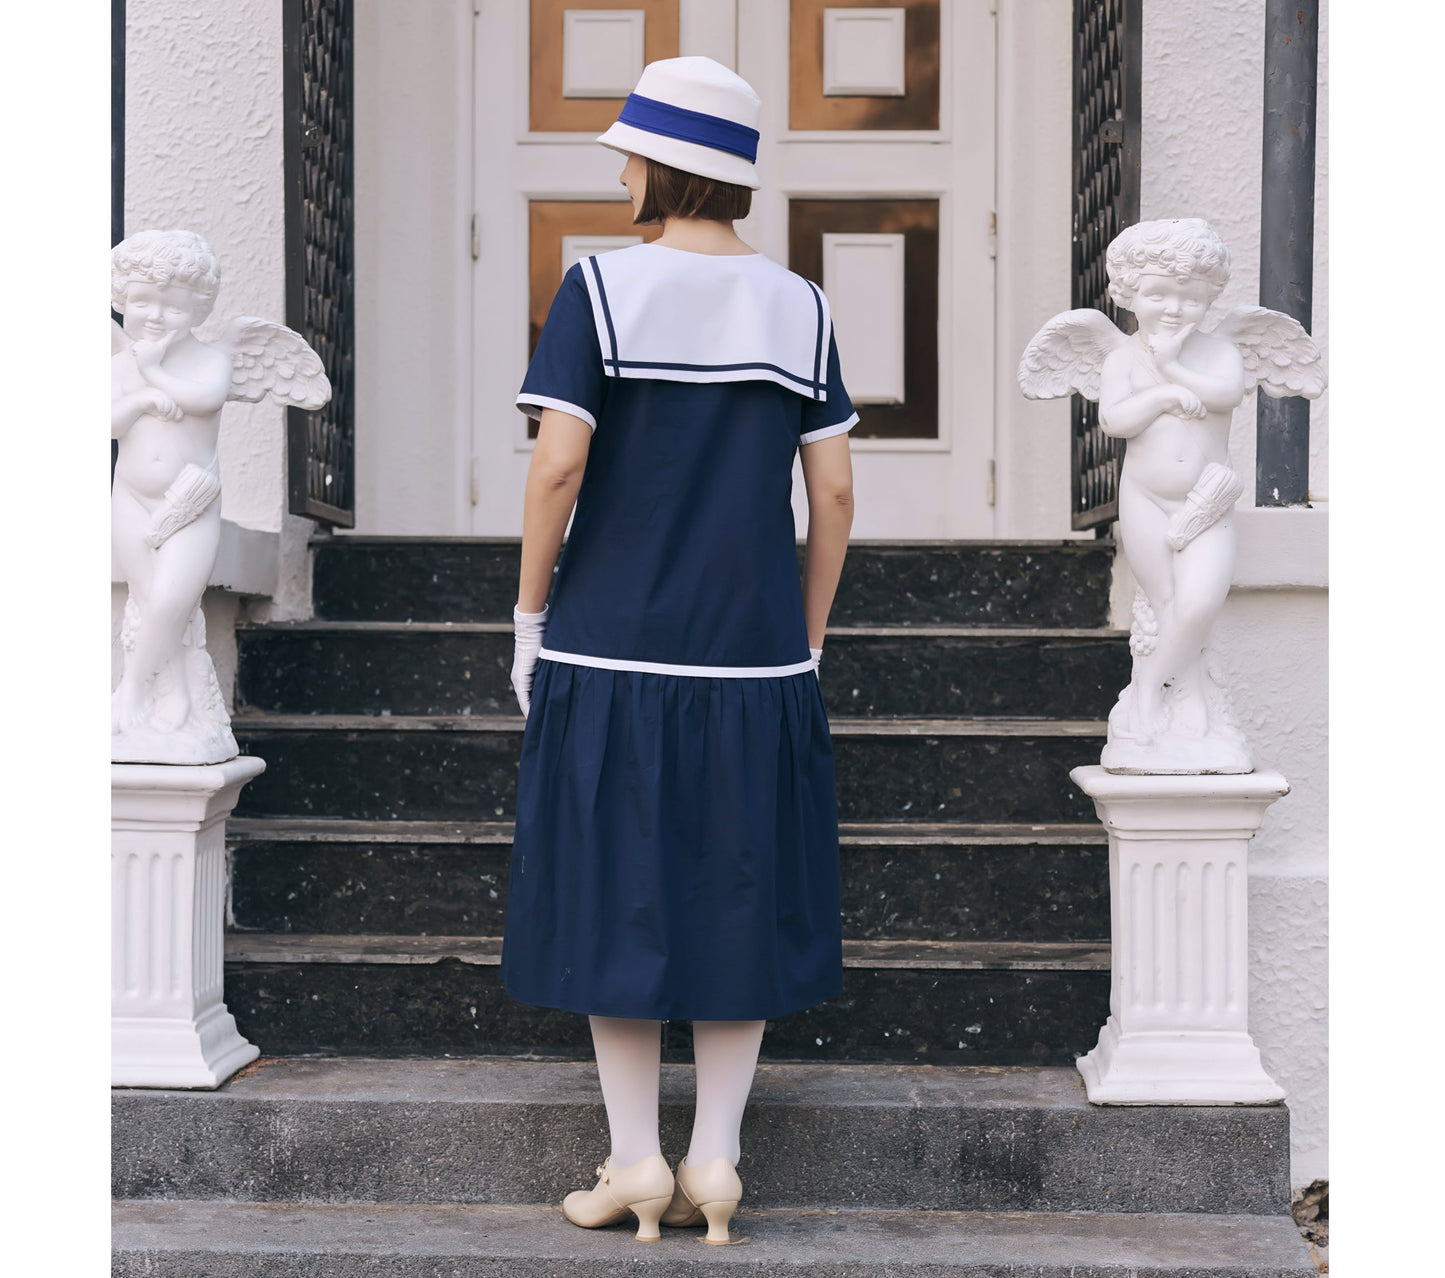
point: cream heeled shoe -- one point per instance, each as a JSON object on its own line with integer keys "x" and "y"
{"x": 643, "y": 1189}
{"x": 709, "y": 1192}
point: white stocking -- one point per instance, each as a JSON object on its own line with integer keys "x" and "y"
{"x": 726, "y": 1053}
{"x": 629, "y": 1055}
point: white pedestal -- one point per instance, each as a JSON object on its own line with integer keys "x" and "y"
{"x": 1177, "y": 1032}
{"x": 169, "y": 1027}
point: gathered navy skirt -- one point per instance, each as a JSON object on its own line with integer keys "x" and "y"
{"x": 676, "y": 851}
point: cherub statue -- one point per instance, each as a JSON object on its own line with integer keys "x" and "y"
{"x": 1170, "y": 390}
{"x": 167, "y": 391}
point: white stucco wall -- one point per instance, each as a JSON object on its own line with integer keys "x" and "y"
{"x": 1203, "y": 78}
{"x": 1203, "y": 128}
{"x": 204, "y": 152}
{"x": 1272, "y": 650}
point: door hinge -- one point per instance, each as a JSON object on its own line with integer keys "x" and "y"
{"x": 992, "y": 481}
{"x": 476, "y": 238}
{"x": 476, "y": 483}
{"x": 993, "y": 233}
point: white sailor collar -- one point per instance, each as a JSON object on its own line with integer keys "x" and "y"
{"x": 678, "y": 316}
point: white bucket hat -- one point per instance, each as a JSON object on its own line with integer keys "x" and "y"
{"x": 694, "y": 114}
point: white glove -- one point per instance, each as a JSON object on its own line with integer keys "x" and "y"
{"x": 817, "y": 657}
{"x": 528, "y": 628}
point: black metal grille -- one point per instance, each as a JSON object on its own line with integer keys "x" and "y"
{"x": 320, "y": 222}
{"x": 1106, "y": 200}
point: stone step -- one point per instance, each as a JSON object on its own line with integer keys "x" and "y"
{"x": 847, "y": 1137}
{"x": 951, "y": 583}
{"x": 938, "y": 882}
{"x": 340, "y": 1240}
{"x": 941, "y": 1002}
{"x": 464, "y": 768}
{"x": 435, "y": 668}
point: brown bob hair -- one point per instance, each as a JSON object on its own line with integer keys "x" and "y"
{"x": 675, "y": 193}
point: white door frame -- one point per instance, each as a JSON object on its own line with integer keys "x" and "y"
{"x": 918, "y": 488}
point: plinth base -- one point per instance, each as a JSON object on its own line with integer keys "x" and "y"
{"x": 1192, "y": 1067}
{"x": 169, "y": 1025}
{"x": 202, "y": 1051}
{"x": 1178, "y": 1030}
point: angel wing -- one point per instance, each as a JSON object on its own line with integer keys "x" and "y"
{"x": 1067, "y": 355}
{"x": 271, "y": 359}
{"x": 1279, "y": 356}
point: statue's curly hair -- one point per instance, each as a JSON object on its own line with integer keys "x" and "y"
{"x": 1181, "y": 246}
{"x": 165, "y": 257}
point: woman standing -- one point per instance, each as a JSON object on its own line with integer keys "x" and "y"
{"x": 676, "y": 849}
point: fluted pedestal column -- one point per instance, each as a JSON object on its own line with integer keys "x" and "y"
{"x": 1177, "y": 1032}
{"x": 169, "y": 1026}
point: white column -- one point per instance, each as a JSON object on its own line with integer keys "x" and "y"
{"x": 169, "y": 1026}
{"x": 1177, "y": 1032}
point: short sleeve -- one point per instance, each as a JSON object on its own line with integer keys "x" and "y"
{"x": 566, "y": 369}
{"x": 831, "y": 416}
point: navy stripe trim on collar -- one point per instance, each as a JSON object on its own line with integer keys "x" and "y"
{"x": 814, "y": 386}
{"x": 818, "y": 353}
{"x": 606, "y": 312}
{"x": 666, "y": 120}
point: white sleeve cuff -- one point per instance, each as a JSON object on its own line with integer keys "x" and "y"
{"x": 823, "y": 432}
{"x": 532, "y": 405}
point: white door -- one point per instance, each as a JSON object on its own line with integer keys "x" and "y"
{"x": 877, "y": 158}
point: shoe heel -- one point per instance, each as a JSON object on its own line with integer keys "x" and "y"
{"x": 648, "y": 1212}
{"x": 718, "y": 1214}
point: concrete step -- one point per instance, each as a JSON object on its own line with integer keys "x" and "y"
{"x": 944, "y": 1002}
{"x": 898, "y": 1138}
{"x": 900, "y": 881}
{"x": 271, "y": 1240}
{"x": 1015, "y": 583}
{"x": 464, "y": 768}
{"x": 435, "y": 668}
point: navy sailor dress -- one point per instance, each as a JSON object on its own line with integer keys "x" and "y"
{"x": 676, "y": 846}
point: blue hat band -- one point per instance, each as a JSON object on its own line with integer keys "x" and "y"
{"x": 652, "y": 116}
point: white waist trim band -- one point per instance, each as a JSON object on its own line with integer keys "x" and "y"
{"x": 667, "y": 667}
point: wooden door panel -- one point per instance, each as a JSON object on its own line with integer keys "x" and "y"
{"x": 917, "y": 221}
{"x": 810, "y": 107}
{"x": 553, "y": 112}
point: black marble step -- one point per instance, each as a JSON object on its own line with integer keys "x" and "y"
{"x": 895, "y": 583}
{"x": 938, "y": 882}
{"x": 435, "y": 668}
{"x": 937, "y": 671}
{"x": 460, "y": 768}
{"x": 939, "y": 1002}
{"x": 226, "y": 1239}
{"x": 817, "y": 1136}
